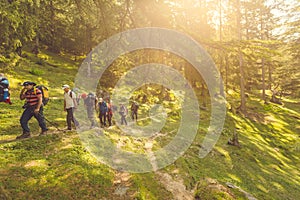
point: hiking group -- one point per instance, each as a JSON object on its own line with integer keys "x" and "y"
{"x": 37, "y": 96}
{"x": 106, "y": 110}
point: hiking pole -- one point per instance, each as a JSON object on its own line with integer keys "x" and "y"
{"x": 55, "y": 125}
{"x": 51, "y": 123}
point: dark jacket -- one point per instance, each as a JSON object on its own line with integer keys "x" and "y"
{"x": 102, "y": 107}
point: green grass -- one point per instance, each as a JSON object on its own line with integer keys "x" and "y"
{"x": 266, "y": 165}
{"x": 147, "y": 186}
{"x": 58, "y": 166}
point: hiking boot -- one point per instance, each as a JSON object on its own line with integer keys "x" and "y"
{"x": 24, "y": 135}
{"x": 43, "y": 133}
{"x": 67, "y": 129}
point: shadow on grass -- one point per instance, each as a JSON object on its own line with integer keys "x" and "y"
{"x": 51, "y": 167}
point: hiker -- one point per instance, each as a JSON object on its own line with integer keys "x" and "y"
{"x": 33, "y": 108}
{"x": 70, "y": 104}
{"x": 123, "y": 112}
{"x": 109, "y": 112}
{"x": 78, "y": 96}
{"x": 90, "y": 104}
{"x": 134, "y": 109}
{"x": 102, "y": 106}
{"x": 4, "y": 89}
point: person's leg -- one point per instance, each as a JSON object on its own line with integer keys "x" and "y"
{"x": 132, "y": 115}
{"x": 69, "y": 118}
{"x": 125, "y": 120}
{"x": 41, "y": 120}
{"x": 122, "y": 119}
{"x": 104, "y": 117}
{"x": 26, "y": 116}
{"x": 76, "y": 123}
{"x": 93, "y": 123}
{"x": 109, "y": 116}
{"x": 101, "y": 118}
{"x": 90, "y": 114}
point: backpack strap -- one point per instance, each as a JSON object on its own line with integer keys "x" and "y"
{"x": 34, "y": 90}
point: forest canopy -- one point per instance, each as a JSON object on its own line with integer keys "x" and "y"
{"x": 255, "y": 44}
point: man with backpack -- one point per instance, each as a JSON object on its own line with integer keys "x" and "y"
{"x": 90, "y": 104}
{"x": 134, "y": 109}
{"x": 70, "y": 104}
{"x": 33, "y": 108}
{"x": 4, "y": 92}
{"x": 123, "y": 112}
{"x": 102, "y": 106}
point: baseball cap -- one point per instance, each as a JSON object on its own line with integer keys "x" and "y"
{"x": 28, "y": 83}
{"x": 65, "y": 86}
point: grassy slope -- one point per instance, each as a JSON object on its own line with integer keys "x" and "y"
{"x": 58, "y": 166}
{"x": 267, "y": 164}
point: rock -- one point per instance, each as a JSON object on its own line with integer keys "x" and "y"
{"x": 247, "y": 195}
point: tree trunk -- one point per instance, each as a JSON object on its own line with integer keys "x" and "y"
{"x": 89, "y": 60}
{"x": 226, "y": 73}
{"x": 242, "y": 107}
{"x": 36, "y": 46}
{"x": 35, "y": 49}
{"x": 222, "y": 93}
{"x": 263, "y": 73}
{"x": 52, "y": 27}
{"x": 221, "y": 61}
{"x": 270, "y": 77}
{"x": 263, "y": 81}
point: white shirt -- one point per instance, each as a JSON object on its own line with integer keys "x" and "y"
{"x": 70, "y": 101}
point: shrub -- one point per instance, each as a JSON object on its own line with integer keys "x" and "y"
{"x": 36, "y": 72}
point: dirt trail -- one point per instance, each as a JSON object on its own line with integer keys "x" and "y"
{"x": 176, "y": 187}
{"x": 121, "y": 186}
{"x": 122, "y": 179}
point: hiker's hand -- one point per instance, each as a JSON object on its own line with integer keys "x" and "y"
{"x": 22, "y": 94}
{"x": 36, "y": 111}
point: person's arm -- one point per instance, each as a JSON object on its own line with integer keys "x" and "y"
{"x": 22, "y": 94}
{"x": 96, "y": 103}
{"x": 40, "y": 102}
{"x": 132, "y": 108}
{"x": 65, "y": 105}
{"x": 74, "y": 99}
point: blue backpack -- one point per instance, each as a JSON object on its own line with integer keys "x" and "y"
{"x": 4, "y": 93}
